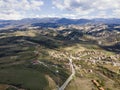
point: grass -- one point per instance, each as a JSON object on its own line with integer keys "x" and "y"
{"x": 25, "y": 75}
{"x": 21, "y": 46}
{"x": 110, "y": 74}
{"x": 15, "y": 73}
{"x": 80, "y": 84}
{"x": 23, "y": 78}
{"x": 3, "y": 86}
{"x": 112, "y": 68}
{"x": 31, "y": 33}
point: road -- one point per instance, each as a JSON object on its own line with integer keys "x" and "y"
{"x": 70, "y": 77}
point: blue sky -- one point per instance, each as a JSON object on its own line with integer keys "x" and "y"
{"x": 18, "y": 9}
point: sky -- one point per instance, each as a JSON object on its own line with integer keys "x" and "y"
{"x": 18, "y": 9}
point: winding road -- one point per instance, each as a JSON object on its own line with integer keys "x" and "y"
{"x": 70, "y": 77}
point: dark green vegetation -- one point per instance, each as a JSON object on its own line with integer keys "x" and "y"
{"x": 26, "y": 59}
{"x": 17, "y": 54}
{"x": 111, "y": 74}
{"x": 113, "y": 48}
{"x": 45, "y": 41}
{"x": 23, "y": 78}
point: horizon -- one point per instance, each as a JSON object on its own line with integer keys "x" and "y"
{"x": 73, "y": 9}
{"x": 59, "y": 45}
{"x": 56, "y": 18}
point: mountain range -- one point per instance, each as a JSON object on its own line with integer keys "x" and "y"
{"x": 55, "y": 21}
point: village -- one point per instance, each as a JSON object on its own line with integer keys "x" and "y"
{"x": 86, "y": 63}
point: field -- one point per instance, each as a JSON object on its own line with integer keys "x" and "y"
{"x": 17, "y": 65}
{"x": 31, "y": 60}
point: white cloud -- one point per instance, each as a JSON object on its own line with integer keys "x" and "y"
{"x": 14, "y": 15}
{"x": 90, "y": 8}
{"x": 17, "y": 9}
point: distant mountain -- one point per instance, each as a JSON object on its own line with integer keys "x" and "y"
{"x": 46, "y": 25}
{"x": 65, "y": 21}
{"x": 107, "y": 21}
{"x": 56, "y": 21}
{"x": 83, "y": 21}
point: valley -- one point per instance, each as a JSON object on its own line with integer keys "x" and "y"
{"x": 63, "y": 57}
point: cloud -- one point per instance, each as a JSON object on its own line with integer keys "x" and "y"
{"x": 72, "y": 4}
{"x": 17, "y": 9}
{"x": 90, "y": 8}
{"x": 8, "y": 15}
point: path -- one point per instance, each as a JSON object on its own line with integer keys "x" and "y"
{"x": 70, "y": 77}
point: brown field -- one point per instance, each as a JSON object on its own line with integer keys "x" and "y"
{"x": 81, "y": 84}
